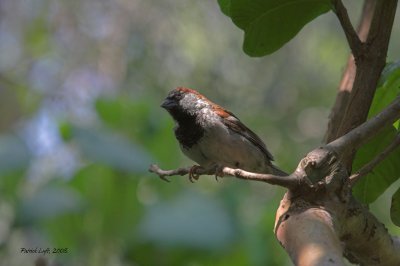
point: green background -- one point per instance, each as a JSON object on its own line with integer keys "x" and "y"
{"x": 80, "y": 87}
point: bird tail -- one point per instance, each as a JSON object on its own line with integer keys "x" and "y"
{"x": 277, "y": 171}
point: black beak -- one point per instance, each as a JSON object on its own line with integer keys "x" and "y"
{"x": 168, "y": 104}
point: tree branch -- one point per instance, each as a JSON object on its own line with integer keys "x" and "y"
{"x": 369, "y": 68}
{"x": 346, "y": 84}
{"x": 371, "y": 165}
{"x": 366, "y": 240}
{"x": 317, "y": 224}
{"x": 308, "y": 234}
{"x": 352, "y": 37}
{"x": 289, "y": 181}
{"x": 315, "y": 234}
{"x": 360, "y": 135}
{"x": 153, "y": 168}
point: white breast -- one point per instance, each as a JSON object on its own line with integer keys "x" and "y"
{"x": 226, "y": 148}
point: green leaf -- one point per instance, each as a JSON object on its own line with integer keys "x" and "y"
{"x": 370, "y": 187}
{"x": 390, "y": 76}
{"x": 395, "y": 208}
{"x": 225, "y": 6}
{"x": 388, "y": 88}
{"x": 397, "y": 124}
{"x": 109, "y": 148}
{"x": 268, "y": 25}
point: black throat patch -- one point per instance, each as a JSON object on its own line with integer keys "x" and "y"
{"x": 188, "y": 131}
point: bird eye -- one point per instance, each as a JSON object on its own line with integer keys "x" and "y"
{"x": 175, "y": 96}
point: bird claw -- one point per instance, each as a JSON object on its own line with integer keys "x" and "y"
{"x": 219, "y": 172}
{"x": 164, "y": 178}
{"x": 193, "y": 174}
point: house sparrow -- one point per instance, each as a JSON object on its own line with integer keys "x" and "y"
{"x": 214, "y": 137}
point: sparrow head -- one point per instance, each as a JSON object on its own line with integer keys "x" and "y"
{"x": 184, "y": 101}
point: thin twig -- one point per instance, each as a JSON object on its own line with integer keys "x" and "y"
{"x": 163, "y": 173}
{"x": 284, "y": 181}
{"x": 289, "y": 181}
{"x": 361, "y": 134}
{"x": 371, "y": 165}
{"x": 354, "y": 41}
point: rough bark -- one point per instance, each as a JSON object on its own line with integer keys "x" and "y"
{"x": 318, "y": 224}
{"x": 346, "y": 84}
{"x": 370, "y": 61}
{"x": 308, "y": 234}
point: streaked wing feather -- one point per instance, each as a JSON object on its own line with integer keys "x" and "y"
{"x": 236, "y": 125}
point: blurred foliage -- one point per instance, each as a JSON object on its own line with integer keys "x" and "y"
{"x": 81, "y": 83}
{"x": 104, "y": 147}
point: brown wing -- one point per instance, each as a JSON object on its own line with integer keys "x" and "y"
{"x": 236, "y": 125}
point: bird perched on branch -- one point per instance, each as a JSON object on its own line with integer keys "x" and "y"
{"x": 214, "y": 137}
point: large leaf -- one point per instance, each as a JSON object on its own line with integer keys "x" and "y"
{"x": 388, "y": 88}
{"x": 225, "y": 6}
{"x": 390, "y": 76}
{"x": 397, "y": 124}
{"x": 395, "y": 208}
{"x": 390, "y": 80}
{"x": 374, "y": 184}
{"x": 371, "y": 186}
{"x": 269, "y": 24}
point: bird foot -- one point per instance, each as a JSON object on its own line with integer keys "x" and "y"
{"x": 216, "y": 170}
{"x": 219, "y": 172}
{"x": 193, "y": 175}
